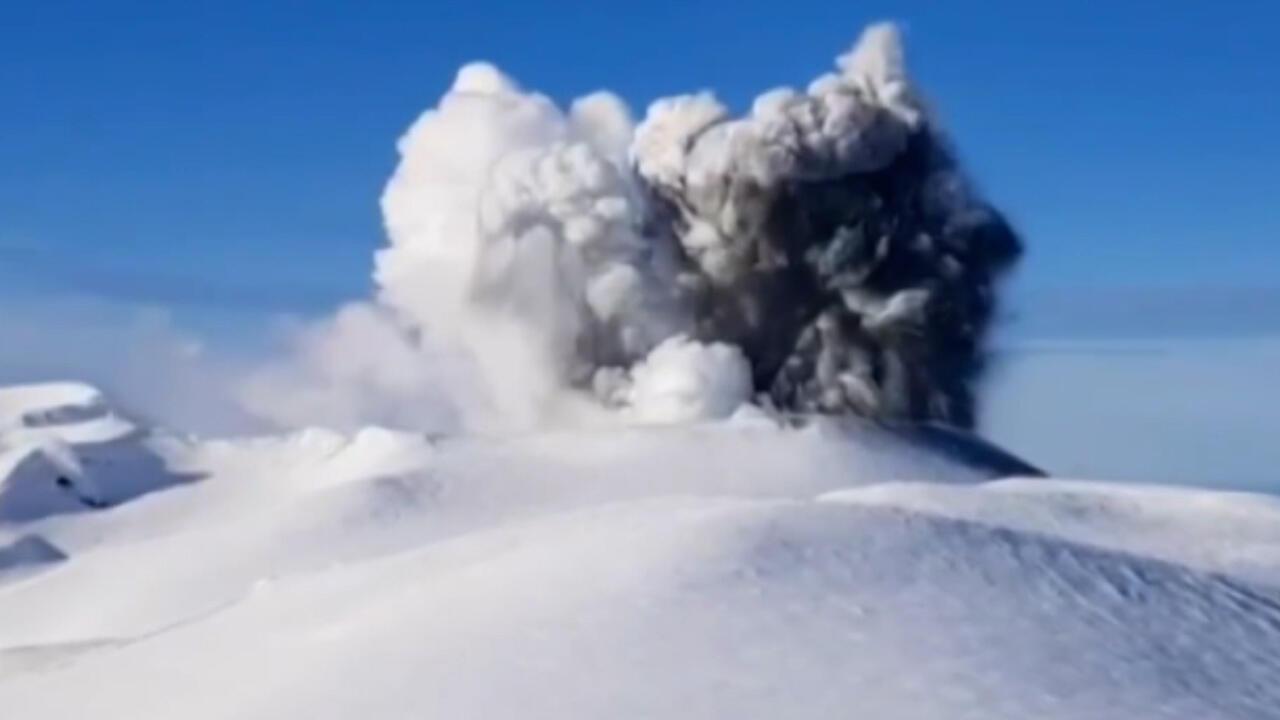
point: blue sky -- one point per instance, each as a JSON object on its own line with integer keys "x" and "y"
{"x": 225, "y": 159}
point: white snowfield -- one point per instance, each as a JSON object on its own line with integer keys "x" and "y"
{"x": 728, "y": 570}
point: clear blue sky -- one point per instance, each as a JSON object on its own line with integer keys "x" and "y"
{"x": 230, "y": 155}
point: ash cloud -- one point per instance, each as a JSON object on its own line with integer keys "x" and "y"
{"x": 835, "y": 239}
{"x": 823, "y": 253}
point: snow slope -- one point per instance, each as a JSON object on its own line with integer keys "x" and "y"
{"x": 63, "y": 449}
{"x": 735, "y": 569}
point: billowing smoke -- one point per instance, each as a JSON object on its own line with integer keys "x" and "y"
{"x": 835, "y": 241}
{"x": 823, "y": 253}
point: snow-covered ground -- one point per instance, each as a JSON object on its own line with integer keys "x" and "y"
{"x": 726, "y": 570}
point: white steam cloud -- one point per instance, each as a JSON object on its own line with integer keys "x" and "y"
{"x": 822, "y": 253}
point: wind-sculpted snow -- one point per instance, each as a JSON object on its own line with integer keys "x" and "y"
{"x": 733, "y": 569}
{"x": 823, "y": 253}
{"x": 64, "y": 449}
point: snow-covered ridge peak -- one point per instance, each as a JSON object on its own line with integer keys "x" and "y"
{"x": 63, "y": 448}
{"x": 65, "y": 411}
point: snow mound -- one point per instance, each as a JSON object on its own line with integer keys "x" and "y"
{"x": 706, "y": 607}
{"x": 26, "y": 552}
{"x": 732, "y": 569}
{"x": 1232, "y": 533}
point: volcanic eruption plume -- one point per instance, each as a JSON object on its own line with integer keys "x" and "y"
{"x": 823, "y": 253}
